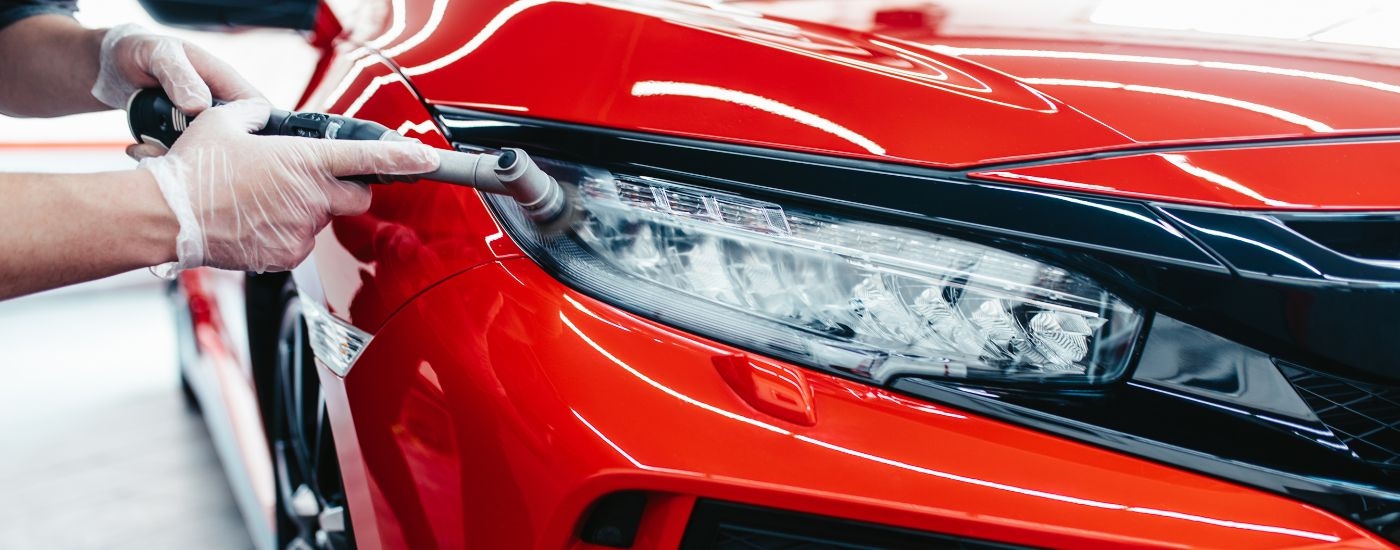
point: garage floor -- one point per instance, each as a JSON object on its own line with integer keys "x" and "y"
{"x": 97, "y": 448}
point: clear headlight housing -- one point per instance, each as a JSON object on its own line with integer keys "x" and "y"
{"x": 869, "y": 300}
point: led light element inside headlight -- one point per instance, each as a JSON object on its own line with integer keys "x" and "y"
{"x": 866, "y": 299}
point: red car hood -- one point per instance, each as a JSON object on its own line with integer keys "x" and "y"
{"x": 956, "y": 83}
{"x": 1155, "y": 71}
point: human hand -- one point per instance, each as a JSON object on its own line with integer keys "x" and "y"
{"x": 132, "y": 59}
{"x": 255, "y": 203}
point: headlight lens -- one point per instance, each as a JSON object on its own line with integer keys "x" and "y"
{"x": 871, "y": 300}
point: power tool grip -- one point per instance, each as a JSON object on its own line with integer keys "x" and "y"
{"x": 153, "y": 117}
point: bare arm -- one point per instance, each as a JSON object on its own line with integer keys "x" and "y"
{"x": 60, "y": 229}
{"x": 48, "y": 64}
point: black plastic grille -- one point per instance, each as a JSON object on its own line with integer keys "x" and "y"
{"x": 735, "y": 538}
{"x": 1366, "y": 417}
{"x": 716, "y": 525}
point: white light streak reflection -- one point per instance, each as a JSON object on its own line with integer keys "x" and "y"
{"x": 1286, "y": 116}
{"x": 1252, "y": 242}
{"x": 425, "y": 127}
{"x": 605, "y": 439}
{"x": 1051, "y": 181}
{"x": 396, "y": 26}
{"x": 1182, "y": 162}
{"x": 686, "y": 89}
{"x": 430, "y": 27}
{"x": 487, "y": 30}
{"x": 1231, "y": 524}
{"x": 1121, "y": 58}
{"x": 467, "y": 124}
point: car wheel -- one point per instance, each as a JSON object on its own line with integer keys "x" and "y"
{"x": 311, "y": 503}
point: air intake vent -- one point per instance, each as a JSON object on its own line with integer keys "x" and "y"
{"x": 718, "y": 525}
{"x": 1371, "y": 239}
{"x": 613, "y": 520}
{"x": 1366, "y": 417}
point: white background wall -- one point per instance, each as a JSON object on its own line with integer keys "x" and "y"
{"x": 277, "y": 62}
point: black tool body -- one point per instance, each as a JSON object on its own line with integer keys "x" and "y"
{"x": 153, "y": 117}
{"x": 156, "y": 119}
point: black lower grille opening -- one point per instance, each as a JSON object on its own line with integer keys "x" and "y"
{"x": 613, "y": 520}
{"x": 716, "y": 525}
{"x": 738, "y": 538}
{"x": 1366, "y": 417}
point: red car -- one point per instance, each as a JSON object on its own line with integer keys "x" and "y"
{"x": 876, "y": 274}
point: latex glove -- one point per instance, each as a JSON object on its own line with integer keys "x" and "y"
{"x": 255, "y": 203}
{"x": 132, "y": 59}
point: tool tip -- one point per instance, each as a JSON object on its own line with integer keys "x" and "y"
{"x": 507, "y": 159}
{"x": 536, "y": 191}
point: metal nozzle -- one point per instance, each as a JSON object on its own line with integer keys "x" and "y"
{"x": 535, "y": 191}
{"x": 511, "y": 172}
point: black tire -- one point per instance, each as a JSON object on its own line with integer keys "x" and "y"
{"x": 312, "y": 512}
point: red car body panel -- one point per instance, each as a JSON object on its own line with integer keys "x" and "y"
{"x": 1312, "y": 177}
{"x": 413, "y": 235}
{"x": 495, "y": 408}
{"x": 494, "y": 404}
{"x": 941, "y": 92}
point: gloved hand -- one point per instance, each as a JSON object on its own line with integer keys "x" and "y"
{"x": 132, "y": 59}
{"x": 255, "y": 203}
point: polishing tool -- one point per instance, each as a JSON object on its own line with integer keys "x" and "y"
{"x": 511, "y": 172}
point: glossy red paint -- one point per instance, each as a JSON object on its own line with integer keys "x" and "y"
{"x": 414, "y": 235}
{"x": 912, "y": 102}
{"x": 324, "y": 35}
{"x": 498, "y": 405}
{"x": 940, "y": 89}
{"x": 777, "y": 390}
{"x": 1148, "y": 75}
{"x": 1336, "y": 176}
{"x": 494, "y": 404}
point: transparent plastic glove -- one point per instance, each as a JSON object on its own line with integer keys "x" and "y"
{"x": 255, "y": 203}
{"x": 132, "y": 59}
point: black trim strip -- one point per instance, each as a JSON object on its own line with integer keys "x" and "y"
{"x": 720, "y": 525}
{"x": 1262, "y": 246}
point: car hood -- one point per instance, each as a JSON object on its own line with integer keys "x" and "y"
{"x": 1160, "y": 71}
{"x": 949, "y": 84}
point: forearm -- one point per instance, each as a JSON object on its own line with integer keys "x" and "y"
{"x": 60, "y": 229}
{"x": 48, "y": 64}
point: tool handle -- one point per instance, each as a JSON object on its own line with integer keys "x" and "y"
{"x": 154, "y": 118}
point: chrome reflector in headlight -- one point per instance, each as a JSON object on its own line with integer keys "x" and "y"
{"x": 871, "y": 300}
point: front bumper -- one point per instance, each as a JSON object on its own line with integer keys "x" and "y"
{"x": 495, "y": 408}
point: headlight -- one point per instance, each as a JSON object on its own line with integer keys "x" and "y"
{"x": 871, "y": 300}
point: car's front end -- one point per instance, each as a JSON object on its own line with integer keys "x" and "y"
{"x": 888, "y": 277}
